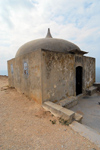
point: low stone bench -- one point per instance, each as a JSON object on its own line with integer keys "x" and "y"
{"x": 59, "y": 111}
{"x": 91, "y": 90}
{"x": 68, "y": 102}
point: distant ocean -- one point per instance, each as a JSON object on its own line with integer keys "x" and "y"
{"x": 4, "y": 72}
{"x": 97, "y": 74}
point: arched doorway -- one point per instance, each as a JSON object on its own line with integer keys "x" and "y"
{"x": 78, "y": 80}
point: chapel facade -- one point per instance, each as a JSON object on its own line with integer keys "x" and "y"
{"x": 51, "y": 69}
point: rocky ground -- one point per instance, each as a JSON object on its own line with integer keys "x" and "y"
{"x": 25, "y": 125}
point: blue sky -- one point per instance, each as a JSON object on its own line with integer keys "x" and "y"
{"x": 24, "y": 20}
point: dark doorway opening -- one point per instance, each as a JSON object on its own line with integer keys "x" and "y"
{"x": 78, "y": 80}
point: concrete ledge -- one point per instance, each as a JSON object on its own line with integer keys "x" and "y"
{"x": 53, "y": 108}
{"x": 86, "y": 132}
{"x": 91, "y": 90}
{"x": 71, "y": 104}
{"x": 78, "y": 117}
{"x": 78, "y": 97}
{"x": 68, "y": 102}
{"x": 97, "y": 84}
{"x": 53, "y": 105}
{"x": 59, "y": 111}
{"x": 67, "y": 114}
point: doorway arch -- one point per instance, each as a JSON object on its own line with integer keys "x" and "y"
{"x": 78, "y": 80}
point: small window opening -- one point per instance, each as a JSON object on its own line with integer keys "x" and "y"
{"x": 25, "y": 68}
{"x": 12, "y": 68}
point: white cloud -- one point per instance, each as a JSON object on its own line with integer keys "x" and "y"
{"x": 25, "y": 20}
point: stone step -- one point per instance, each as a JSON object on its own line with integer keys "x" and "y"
{"x": 78, "y": 117}
{"x": 97, "y": 84}
{"x": 59, "y": 111}
{"x": 78, "y": 97}
{"x": 91, "y": 90}
{"x": 68, "y": 102}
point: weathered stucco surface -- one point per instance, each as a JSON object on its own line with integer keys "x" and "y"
{"x": 57, "y": 75}
{"x": 44, "y": 75}
{"x": 88, "y": 72}
{"x": 78, "y": 60}
{"x": 27, "y": 81}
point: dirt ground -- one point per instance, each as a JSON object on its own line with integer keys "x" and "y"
{"x": 25, "y": 125}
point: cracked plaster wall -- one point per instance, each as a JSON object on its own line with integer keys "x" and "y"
{"x": 27, "y": 82}
{"x": 58, "y": 75}
{"x": 88, "y": 72}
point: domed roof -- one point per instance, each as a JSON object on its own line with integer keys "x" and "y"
{"x": 48, "y": 43}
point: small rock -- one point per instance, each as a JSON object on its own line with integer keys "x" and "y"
{"x": 65, "y": 129}
{"x": 55, "y": 86}
{"x": 99, "y": 103}
{"x": 75, "y": 133}
{"x": 59, "y": 129}
{"x": 62, "y": 146}
{"x": 88, "y": 146}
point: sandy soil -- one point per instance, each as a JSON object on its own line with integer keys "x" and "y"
{"x": 25, "y": 125}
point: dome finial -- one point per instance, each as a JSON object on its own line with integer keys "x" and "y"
{"x": 48, "y": 34}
